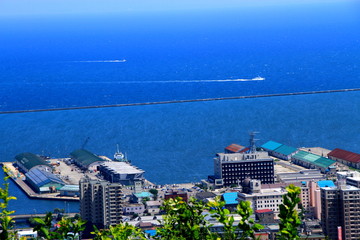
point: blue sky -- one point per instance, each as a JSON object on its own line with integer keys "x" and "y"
{"x": 51, "y": 7}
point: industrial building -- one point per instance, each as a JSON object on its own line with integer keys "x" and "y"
{"x": 101, "y": 202}
{"x": 70, "y": 191}
{"x": 340, "y": 212}
{"x": 121, "y": 172}
{"x": 42, "y": 181}
{"x": 279, "y": 150}
{"x": 26, "y": 161}
{"x": 313, "y": 161}
{"x": 304, "y": 175}
{"x": 348, "y": 158}
{"x": 85, "y": 159}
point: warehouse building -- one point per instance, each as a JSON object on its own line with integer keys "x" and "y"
{"x": 26, "y": 161}
{"x": 121, "y": 172}
{"x": 42, "y": 181}
{"x": 279, "y": 150}
{"x": 313, "y": 161}
{"x": 85, "y": 159}
{"x": 348, "y": 158}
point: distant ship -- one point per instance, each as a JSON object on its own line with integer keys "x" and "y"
{"x": 258, "y": 78}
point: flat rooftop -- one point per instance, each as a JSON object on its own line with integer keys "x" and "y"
{"x": 122, "y": 167}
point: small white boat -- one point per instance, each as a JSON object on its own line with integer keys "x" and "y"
{"x": 258, "y": 78}
{"x": 119, "y": 156}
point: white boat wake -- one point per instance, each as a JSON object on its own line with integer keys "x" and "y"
{"x": 101, "y": 61}
{"x": 141, "y": 82}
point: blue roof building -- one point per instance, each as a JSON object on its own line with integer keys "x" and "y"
{"x": 42, "y": 181}
{"x": 279, "y": 150}
{"x": 326, "y": 183}
{"x": 271, "y": 146}
{"x": 230, "y": 198}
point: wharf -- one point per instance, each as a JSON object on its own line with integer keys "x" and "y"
{"x": 28, "y": 190}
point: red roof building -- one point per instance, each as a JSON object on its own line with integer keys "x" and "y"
{"x": 263, "y": 211}
{"x": 235, "y": 148}
{"x": 346, "y": 157}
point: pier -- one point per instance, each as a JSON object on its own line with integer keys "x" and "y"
{"x": 29, "y": 191}
{"x": 182, "y": 101}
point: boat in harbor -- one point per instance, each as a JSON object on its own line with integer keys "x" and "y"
{"x": 258, "y": 78}
{"x": 119, "y": 156}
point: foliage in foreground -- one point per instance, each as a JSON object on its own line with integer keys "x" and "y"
{"x": 5, "y": 219}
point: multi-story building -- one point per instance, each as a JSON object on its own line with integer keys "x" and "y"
{"x": 262, "y": 198}
{"x": 340, "y": 211}
{"x": 233, "y": 168}
{"x": 100, "y": 202}
{"x": 121, "y": 172}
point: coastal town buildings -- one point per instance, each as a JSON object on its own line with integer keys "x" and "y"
{"x": 340, "y": 211}
{"x": 101, "y": 202}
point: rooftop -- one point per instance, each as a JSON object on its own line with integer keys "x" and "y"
{"x": 73, "y": 188}
{"x": 271, "y": 145}
{"x": 326, "y": 183}
{"x": 263, "y": 211}
{"x": 122, "y": 167}
{"x": 85, "y": 157}
{"x": 285, "y": 150}
{"x": 143, "y": 194}
{"x": 230, "y": 198}
{"x": 30, "y": 160}
{"x": 314, "y": 159}
{"x": 234, "y": 147}
{"x": 345, "y": 155}
{"x": 40, "y": 177}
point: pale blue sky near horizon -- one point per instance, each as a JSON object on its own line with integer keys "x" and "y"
{"x": 46, "y": 7}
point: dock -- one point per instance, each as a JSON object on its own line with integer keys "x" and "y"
{"x": 28, "y": 190}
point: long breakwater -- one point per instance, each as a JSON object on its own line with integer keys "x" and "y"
{"x": 181, "y": 101}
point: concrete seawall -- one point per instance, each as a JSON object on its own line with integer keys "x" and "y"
{"x": 182, "y": 101}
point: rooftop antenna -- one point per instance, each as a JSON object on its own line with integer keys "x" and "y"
{"x": 252, "y": 142}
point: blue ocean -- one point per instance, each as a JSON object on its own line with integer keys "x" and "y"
{"x": 102, "y": 59}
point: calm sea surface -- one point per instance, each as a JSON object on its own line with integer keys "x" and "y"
{"x": 65, "y": 61}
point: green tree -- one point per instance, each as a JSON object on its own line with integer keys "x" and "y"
{"x": 154, "y": 192}
{"x": 184, "y": 221}
{"x": 119, "y": 232}
{"x": 5, "y": 218}
{"x": 68, "y": 228}
{"x": 218, "y": 210}
{"x": 289, "y": 217}
{"x": 246, "y": 227}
